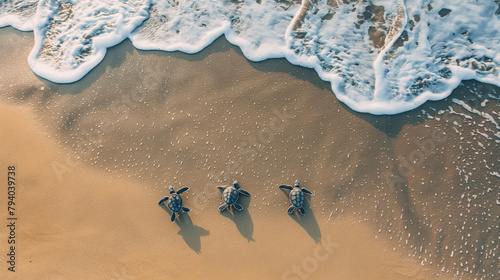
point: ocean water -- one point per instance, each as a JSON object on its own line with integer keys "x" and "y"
{"x": 426, "y": 179}
{"x": 381, "y": 57}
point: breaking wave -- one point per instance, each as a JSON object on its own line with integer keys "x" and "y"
{"x": 381, "y": 56}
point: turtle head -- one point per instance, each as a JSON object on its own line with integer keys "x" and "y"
{"x": 235, "y": 184}
{"x": 171, "y": 189}
{"x": 297, "y": 184}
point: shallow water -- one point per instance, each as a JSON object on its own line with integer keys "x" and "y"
{"x": 381, "y": 57}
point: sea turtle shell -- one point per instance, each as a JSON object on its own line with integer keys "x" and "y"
{"x": 230, "y": 195}
{"x": 175, "y": 202}
{"x": 297, "y": 197}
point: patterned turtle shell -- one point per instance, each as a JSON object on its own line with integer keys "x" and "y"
{"x": 297, "y": 197}
{"x": 230, "y": 195}
{"x": 175, "y": 203}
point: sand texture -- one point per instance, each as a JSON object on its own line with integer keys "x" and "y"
{"x": 411, "y": 196}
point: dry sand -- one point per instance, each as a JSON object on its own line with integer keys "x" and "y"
{"x": 94, "y": 158}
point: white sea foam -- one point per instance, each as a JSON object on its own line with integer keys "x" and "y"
{"x": 19, "y": 14}
{"x": 381, "y": 56}
{"x": 71, "y": 37}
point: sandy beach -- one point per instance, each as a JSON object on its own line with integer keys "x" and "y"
{"x": 411, "y": 196}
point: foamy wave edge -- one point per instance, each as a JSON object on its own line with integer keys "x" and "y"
{"x": 126, "y": 28}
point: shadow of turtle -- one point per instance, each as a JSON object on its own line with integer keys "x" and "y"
{"x": 190, "y": 233}
{"x": 241, "y": 219}
{"x": 307, "y": 221}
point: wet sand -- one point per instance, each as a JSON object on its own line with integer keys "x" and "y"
{"x": 390, "y": 197}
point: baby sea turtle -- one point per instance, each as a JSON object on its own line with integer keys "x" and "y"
{"x": 175, "y": 202}
{"x": 296, "y": 197}
{"x": 230, "y": 196}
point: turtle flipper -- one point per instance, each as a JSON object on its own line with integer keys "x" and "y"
{"x": 163, "y": 200}
{"x": 222, "y": 207}
{"x": 182, "y": 190}
{"x": 304, "y": 190}
{"x": 244, "y": 192}
{"x": 286, "y": 187}
{"x": 172, "y": 218}
{"x": 290, "y": 210}
{"x": 222, "y": 187}
{"x": 302, "y": 210}
{"x": 238, "y": 206}
{"x": 185, "y": 209}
